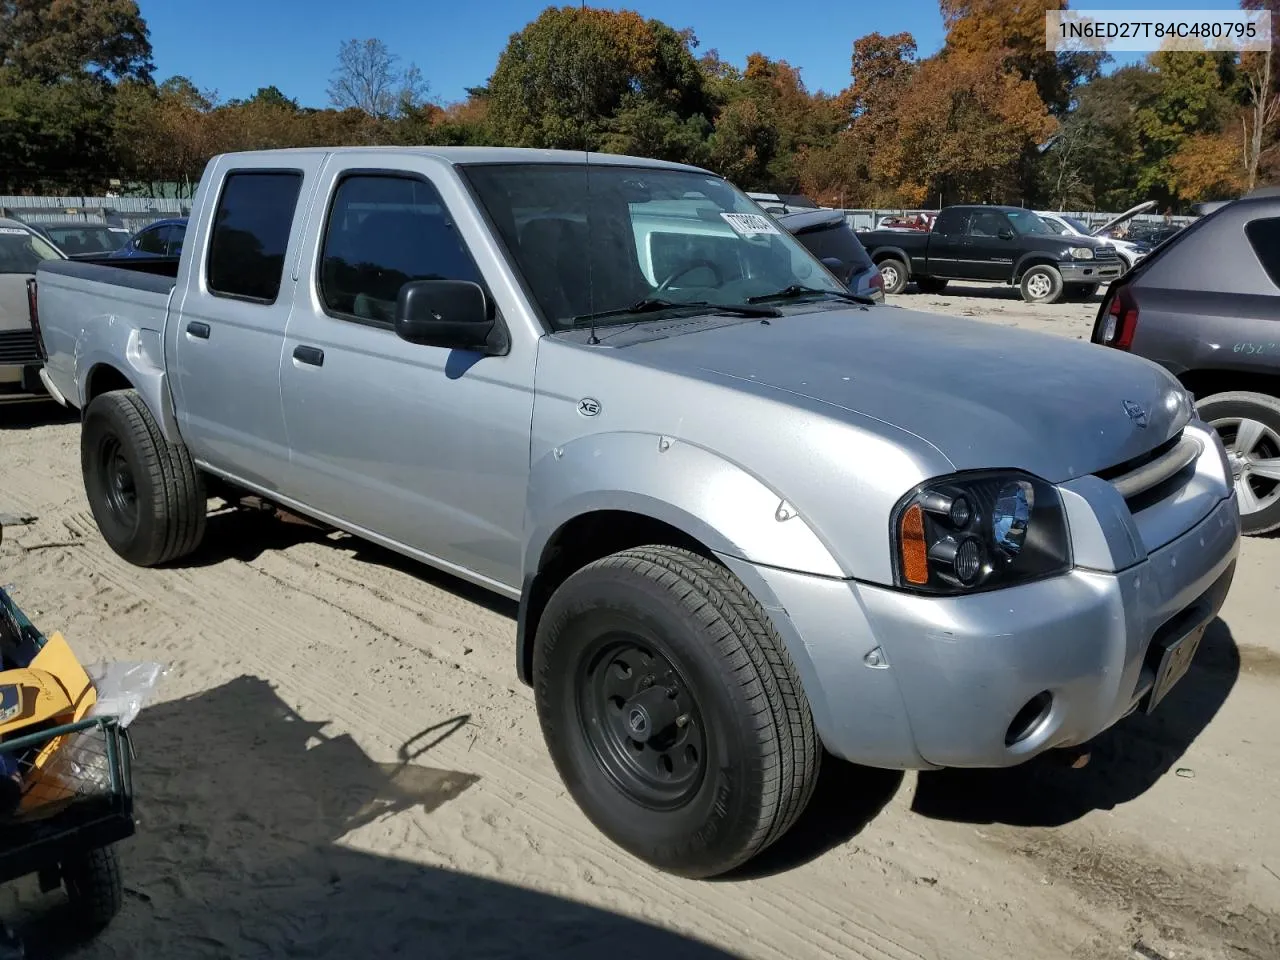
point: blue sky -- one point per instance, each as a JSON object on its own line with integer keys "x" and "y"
{"x": 236, "y": 46}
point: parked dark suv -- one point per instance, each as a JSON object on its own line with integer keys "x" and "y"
{"x": 827, "y": 235}
{"x": 1205, "y": 304}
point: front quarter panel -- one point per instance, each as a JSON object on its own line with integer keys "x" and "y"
{"x": 676, "y": 482}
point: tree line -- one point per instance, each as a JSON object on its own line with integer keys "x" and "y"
{"x": 991, "y": 117}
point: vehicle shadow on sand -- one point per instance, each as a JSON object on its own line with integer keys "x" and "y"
{"x": 28, "y": 413}
{"x": 243, "y": 807}
{"x": 245, "y": 535}
{"x": 847, "y": 798}
{"x": 1126, "y": 760}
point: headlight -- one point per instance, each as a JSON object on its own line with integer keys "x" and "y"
{"x": 1081, "y": 253}
{"x": 979, "y": 531}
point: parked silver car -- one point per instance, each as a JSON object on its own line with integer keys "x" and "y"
{"x": 745, "y": 515}
{"x": 21, "y": 251}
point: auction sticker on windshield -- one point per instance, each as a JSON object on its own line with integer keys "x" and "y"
{"x": 13, "y": 232}
{"x": 749, "y": 224}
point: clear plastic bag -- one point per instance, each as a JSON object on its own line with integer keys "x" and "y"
{"x": 124, "y": 687}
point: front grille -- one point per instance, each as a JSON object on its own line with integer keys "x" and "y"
{"x": 18, "y": 347}
{"x": 1106, "y": 253}
{"x": 1156, "y": 474}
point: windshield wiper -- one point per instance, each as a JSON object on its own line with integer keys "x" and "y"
{"x": 652, "y": 304}
{"x": 797, "y": 290}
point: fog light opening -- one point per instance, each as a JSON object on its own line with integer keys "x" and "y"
{"x": 1031, "y": 715}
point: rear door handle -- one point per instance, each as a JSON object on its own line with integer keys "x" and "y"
{"x": 312, "y": 355}
{"x": 198, "y": 329}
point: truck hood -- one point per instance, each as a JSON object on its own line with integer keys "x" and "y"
{"x": 985, "y": 396}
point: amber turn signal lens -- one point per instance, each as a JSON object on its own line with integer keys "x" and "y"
{"x": 915, "y": 555}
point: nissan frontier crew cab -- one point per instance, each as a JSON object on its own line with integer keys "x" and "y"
{"x": 747, "y": 515}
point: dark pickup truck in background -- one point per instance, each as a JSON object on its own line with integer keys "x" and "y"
{"x": 1008, "y": 245}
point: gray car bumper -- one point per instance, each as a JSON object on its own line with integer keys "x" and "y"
{"x": 1090, "y": 271}
{"x": 899, "y": 680}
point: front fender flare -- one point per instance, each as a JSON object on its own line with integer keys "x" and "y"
{"x": 718, "y": 503}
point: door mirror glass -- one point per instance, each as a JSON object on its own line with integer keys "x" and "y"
{"x": 1005, "y": 233}
{"x": 454, "y": 314}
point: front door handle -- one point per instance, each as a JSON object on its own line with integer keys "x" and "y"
{"x": 198, "y": 329}
{"x": 311, "y": 355}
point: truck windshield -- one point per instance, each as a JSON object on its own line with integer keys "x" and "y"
{"x": 1026, "y": 222}
{"x": 596, "y": 239}
{"x": 22, "y": 251}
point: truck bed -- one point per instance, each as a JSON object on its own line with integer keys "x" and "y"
{"x": 101, "y": 307}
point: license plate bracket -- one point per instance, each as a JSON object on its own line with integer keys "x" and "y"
{"x": 1173, "y": 658}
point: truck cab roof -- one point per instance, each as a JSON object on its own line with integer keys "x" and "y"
{"x": 462, "y": 156}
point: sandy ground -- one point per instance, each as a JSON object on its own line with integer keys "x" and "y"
{"x": 342, "y": 763}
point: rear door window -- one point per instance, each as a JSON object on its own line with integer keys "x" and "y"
{"x": 251, "y": 234}
{"x": 152, "y": 241}
{"x": 836, "y": 241}
{"x": 1264, "y": 238}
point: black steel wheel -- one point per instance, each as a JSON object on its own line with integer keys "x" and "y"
{"x": 673, "y": 711}
{"x": 642, "y": 721}
{"x": 145, "y": 493}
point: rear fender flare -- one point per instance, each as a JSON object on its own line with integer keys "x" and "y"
{"x": 138, "y": 356}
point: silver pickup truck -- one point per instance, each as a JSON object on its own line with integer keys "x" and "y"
{"x": 746, "y": 515}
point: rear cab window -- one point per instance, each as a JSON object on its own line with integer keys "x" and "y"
{"x": 250, "y": 235}
{"x": 952, "y": 222}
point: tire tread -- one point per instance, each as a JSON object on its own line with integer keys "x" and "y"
{"x": 744, "y": 637}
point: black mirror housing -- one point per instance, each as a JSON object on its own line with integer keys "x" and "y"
{"x": 454, "y": 314}
{"x": 1005, "y": 234}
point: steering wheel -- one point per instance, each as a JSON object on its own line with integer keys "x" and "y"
{"x": 687, "y": 268}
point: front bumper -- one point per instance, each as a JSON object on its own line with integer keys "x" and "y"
{"x": 1090, "y": 271}
{"x": 900, "y": 680}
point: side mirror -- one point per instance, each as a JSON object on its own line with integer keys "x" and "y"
{"x": 454, "y": 314}
{"x": 832, "y": 263}
{"x": 1005, "y": 234}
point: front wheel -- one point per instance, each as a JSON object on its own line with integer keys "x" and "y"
{"x": 1041, "y": 284}
{"x": 895, "y": 274}
{"x": 672, "y": 710}
{"x": 1249, "y": 425}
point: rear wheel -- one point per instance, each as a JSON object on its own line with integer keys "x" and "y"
{"x": 673, "y": 711}
{"x": 145, "y": 493}
{"x": 930, "y": 285}
{"x": 895, "y": 274}
{"x": 1249, "y": 424}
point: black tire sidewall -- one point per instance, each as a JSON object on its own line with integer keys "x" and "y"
{"x": 702, "y": 837}
{"x": 903, "y": 276}
{"x": 1055, "y": 279}
{"x": 105, "y": 419}
{"x": 1210, "y": 409}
